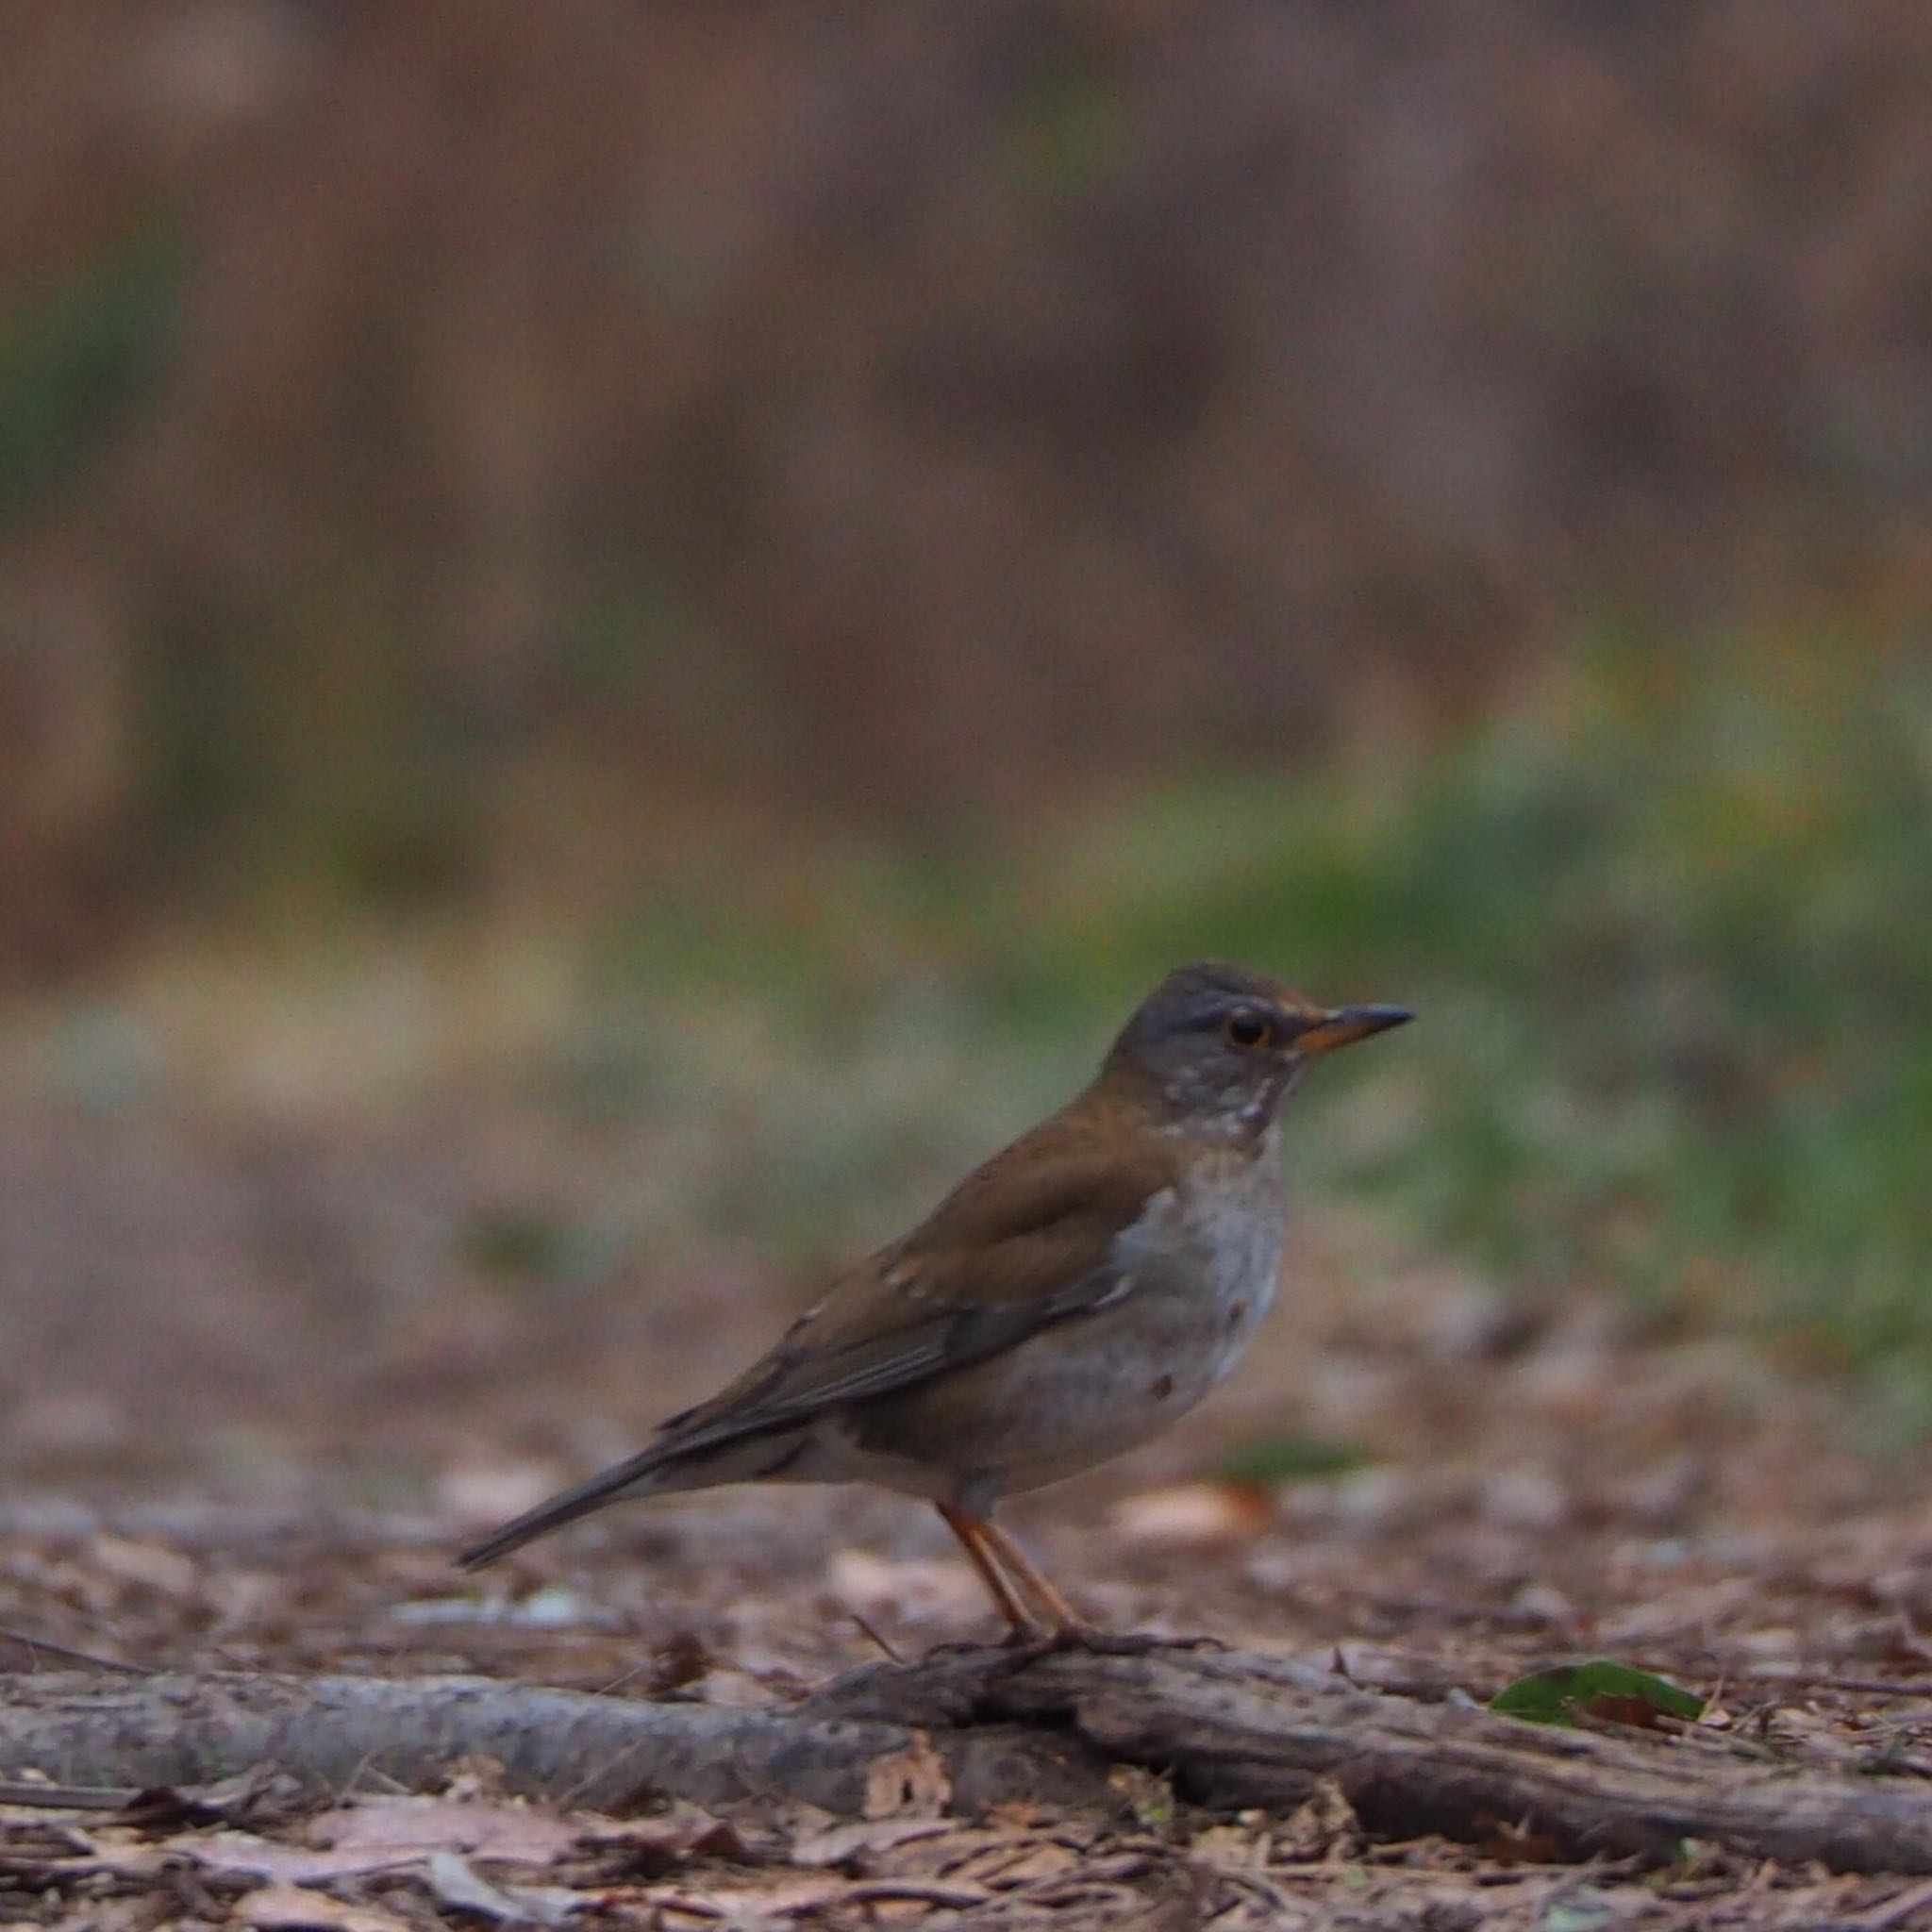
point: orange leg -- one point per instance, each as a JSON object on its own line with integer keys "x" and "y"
{"x": 1065, "y": 1618}
{"x": 974, "y": 1535}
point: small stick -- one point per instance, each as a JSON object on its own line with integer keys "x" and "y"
{"x": 892, "y": 1655}
{"x": 39, "y": 1644}
{"x": 67, "y": 1797}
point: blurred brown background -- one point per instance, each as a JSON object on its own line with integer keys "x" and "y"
{"x": 519, "y": 520}
{"x": 425, "y": 430}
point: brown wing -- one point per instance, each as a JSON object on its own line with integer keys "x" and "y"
{"x": 1025, "y": 1241}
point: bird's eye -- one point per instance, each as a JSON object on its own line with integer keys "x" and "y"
{"x": 1247, "y": 1031}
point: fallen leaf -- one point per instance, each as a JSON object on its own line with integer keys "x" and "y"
{"x": 1324, "y": 1821}
{"x": 839, "y": 1843}
{"x": 654, "y": 1847}
{"x": 1192, "y": 1515}
{"x": 1615, "y": 1707}
{"x": 387, "y": 1833}
{"x": 1601, "y": 1687}
{"x": 455, "y": 1882}
{"x": 1230, "y": 1845}
{"x": 910, "y": 1783}
{"x": 1508, "y": 1843}
{"x": 125, "y": 1853}
{"x": 260, "y": 1795}
{"x": 282, "y": 1907}
{"x": 264, "y": 1857}
{"x": 165, "y": 1572}
{"x": 527, "y": 1833}
{"x": 736, "y": 1690}
{"x": 1038, "y": 1859}
{"x": 751, "y": 1905}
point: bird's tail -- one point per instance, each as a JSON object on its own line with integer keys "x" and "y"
{"x": 636, "y": 1476}
{"x": 663, "y": 1468}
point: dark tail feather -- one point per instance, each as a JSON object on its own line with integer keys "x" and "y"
{"x": 589, "y": 1495}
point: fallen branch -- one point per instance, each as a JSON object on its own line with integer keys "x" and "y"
{"x": 1233, "y": 1729}
{"x": 608, "y": 1754}
{"x": 1238, "y": 1730}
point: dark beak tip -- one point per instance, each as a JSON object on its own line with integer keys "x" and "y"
{"x": 1347, "y": 1025}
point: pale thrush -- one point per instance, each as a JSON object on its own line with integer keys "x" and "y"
{"x": 1066, "y": 1301}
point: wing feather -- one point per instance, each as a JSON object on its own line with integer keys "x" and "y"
{"x": 1027, "y": 1242}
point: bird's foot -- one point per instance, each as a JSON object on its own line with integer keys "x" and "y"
{"x": 1023, "y": 1642}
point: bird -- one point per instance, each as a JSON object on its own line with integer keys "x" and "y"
{"x": 1067, "y": 1300}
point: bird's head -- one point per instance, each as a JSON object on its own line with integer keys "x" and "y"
{"x": 1221, "y": 1046}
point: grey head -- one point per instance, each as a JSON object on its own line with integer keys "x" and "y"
{"x": 1222, "y": 1045}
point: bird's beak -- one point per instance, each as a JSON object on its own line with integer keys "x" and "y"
{"x": 1346, "y": 1024}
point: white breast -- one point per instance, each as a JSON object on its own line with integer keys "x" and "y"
{"x": 1208, "y": 1259}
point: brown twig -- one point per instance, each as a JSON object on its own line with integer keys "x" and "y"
{"x": 48, "y": 1797}
{"x": 886, "y": 1648}
{"x": 36, "y": 1646}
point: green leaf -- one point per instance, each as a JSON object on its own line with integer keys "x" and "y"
{"x": 1598, "y": 1688}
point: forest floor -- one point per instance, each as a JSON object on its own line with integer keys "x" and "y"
{"x": 260, "y": 1384}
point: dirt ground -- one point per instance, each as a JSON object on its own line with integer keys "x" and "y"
{"x": 258, "y": 1385}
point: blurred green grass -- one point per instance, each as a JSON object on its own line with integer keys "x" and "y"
{"x": 1667, "y": 923}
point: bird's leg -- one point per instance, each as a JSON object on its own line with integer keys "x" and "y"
{"x": 1066, "y": 1620}
{"x": 975, "y": 1534}
{"x": 1070, "y": 1629}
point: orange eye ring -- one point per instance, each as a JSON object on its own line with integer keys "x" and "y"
{"x": 1248, "y": 1031}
